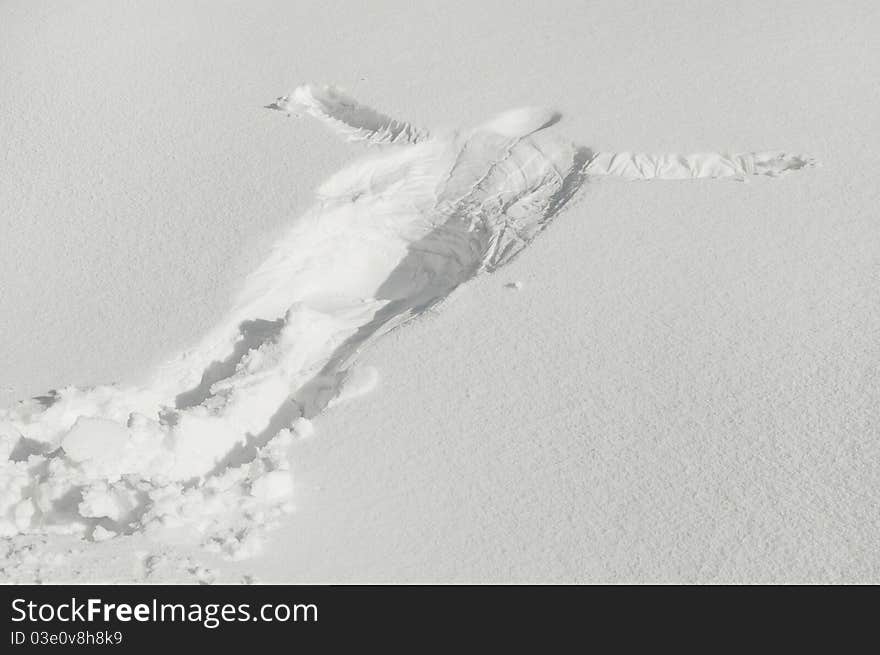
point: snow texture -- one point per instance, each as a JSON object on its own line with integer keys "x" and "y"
{"x": 202, "y": 446}
{"x": 683, "y": 388}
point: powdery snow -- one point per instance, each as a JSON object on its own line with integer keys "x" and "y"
{"x": 194, "y": 460}
{"x": 391, "y": 236}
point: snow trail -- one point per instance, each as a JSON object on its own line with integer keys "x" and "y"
{"x": 199, "y": 453}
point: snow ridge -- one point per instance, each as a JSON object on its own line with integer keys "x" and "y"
{"x": 199, "y": 453}
{"x": 674, "y": 166}
{"x": 346, "y": 115}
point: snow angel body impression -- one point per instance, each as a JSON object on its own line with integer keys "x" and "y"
{"x": 202, "y": 446}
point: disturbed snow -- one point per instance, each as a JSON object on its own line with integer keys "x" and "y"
{"x": 199, "y": 453}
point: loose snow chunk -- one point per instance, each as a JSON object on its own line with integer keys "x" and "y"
{"x": 273, "y": 486}
{"x": 102, "y": 534}
{"x": 113, "y": 502}
{"x": 95, "y": 439}
{"x": 303, "y": 427}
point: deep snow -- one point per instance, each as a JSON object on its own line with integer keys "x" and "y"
{"x": 393, "y": 234}
{"x": 689, "y": 341}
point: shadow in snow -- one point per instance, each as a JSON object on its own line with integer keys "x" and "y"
{"x": 254, "y": 334}
{"x": 431, "y": 271}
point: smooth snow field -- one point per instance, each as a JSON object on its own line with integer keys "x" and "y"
{"x": 557, "y": 292}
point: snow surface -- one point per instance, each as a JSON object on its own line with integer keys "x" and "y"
{"x": 682, "y": 389}
{"x": 391, "y": 235}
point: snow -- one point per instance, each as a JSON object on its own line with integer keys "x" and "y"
{"x": 357, "y": 122}
{"x": 95, "y": 441}
{"x": 391, "y": 235}
{"x": 303, "y": 428}
{"x": 681, "y": 390}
